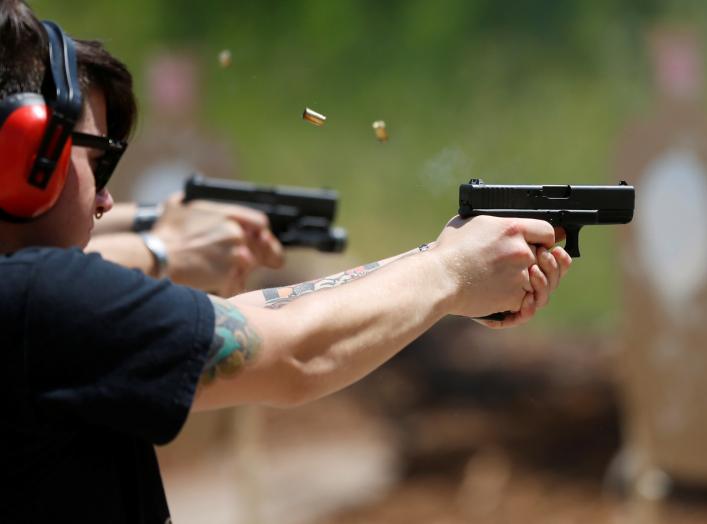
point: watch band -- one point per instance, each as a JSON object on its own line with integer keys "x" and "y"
{"x": 145, "y": 217}
{"x": 158, "y": 251}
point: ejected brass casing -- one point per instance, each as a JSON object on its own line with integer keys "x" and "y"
{"x": 224, "y": 58}
{"x": 381, "y": 131}
{"x": 313, "y": 117}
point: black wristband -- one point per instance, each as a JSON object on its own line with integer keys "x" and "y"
{"x": 145, "y": 217}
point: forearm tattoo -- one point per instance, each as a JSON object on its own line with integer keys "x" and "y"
{"x": 235, "y": 343}
{"x": 278, "y": 297}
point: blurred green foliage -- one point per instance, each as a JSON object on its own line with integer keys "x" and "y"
{"x": 529, "y": 91}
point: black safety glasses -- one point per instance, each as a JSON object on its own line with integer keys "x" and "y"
{"x": 112, "y": 151}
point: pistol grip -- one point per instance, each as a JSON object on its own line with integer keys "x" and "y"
{"x": 572, "y": 240}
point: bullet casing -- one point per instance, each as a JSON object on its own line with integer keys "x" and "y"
{"x": 380, "y": 130}
{"x": 224, "y": 58}
{"x": 313, "y": 117}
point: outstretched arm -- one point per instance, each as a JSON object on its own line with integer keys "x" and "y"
{"x": 209, "y": 246}
{"x": 277, "y": 297}
{"x": 326, "y": 340}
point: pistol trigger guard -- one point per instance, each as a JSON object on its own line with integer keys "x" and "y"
{"x": 572, "y": 240}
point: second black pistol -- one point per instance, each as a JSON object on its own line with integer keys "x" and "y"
{"x": 298, "y": 216}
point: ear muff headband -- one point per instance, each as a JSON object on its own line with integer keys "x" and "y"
{"x": 35, "y": 136}
{"x": 62, "y": 62}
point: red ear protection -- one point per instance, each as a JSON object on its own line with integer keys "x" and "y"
{"x": 35, "y": 136}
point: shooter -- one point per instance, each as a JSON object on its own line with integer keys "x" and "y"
{"x": 101, "y": 362}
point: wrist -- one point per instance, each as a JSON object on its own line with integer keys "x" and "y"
{"x": 445, "y": 281}
{"x": 158, "y": 251}
{"x": 145, "y": 217}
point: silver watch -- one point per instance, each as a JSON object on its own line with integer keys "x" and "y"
{"x": 158, "y": 251}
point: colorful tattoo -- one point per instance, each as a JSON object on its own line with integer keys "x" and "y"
{"x": 235, "y": 343}
{"x": 278, "y": 297}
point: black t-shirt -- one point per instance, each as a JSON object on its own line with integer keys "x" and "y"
{"x": 98, "y": 364}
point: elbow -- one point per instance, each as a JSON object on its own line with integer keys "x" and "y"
{"x": 302, "y": 368}
{"x": 300, "y": 383}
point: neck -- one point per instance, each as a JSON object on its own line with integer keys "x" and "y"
{"x": 14, "y": 237}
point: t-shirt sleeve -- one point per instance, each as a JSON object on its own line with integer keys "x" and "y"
{"x": 108, "y": 346}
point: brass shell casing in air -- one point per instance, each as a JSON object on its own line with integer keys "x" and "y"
{"x": 313, "y": 117}
{"x": 224, "y": 58}
{"x": 380, "y": 130}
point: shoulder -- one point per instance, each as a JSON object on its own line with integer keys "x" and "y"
{"x": 41, "y": 256}
{"x": 85, "y": 291}
{"x": 73, "y": 266}
{"x": 71, "y": 281}
{"x": 87, "y": 277}
{"x": 83, "y": 300}
{"x": 32, "y": 255}
{"x": 21, "y": 268}
{"x": 49, "y": 268}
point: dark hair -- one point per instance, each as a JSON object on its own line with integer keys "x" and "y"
{"x": 24, "y": 60}
{"x": 23, "y": 49}
{"x": 99, "y": 69}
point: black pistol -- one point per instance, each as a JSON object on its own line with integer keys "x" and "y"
{"x": 299, "y": 217}
{"x": 570, "y": 207}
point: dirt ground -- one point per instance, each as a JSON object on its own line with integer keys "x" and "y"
{"x": 506, "y": 432}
